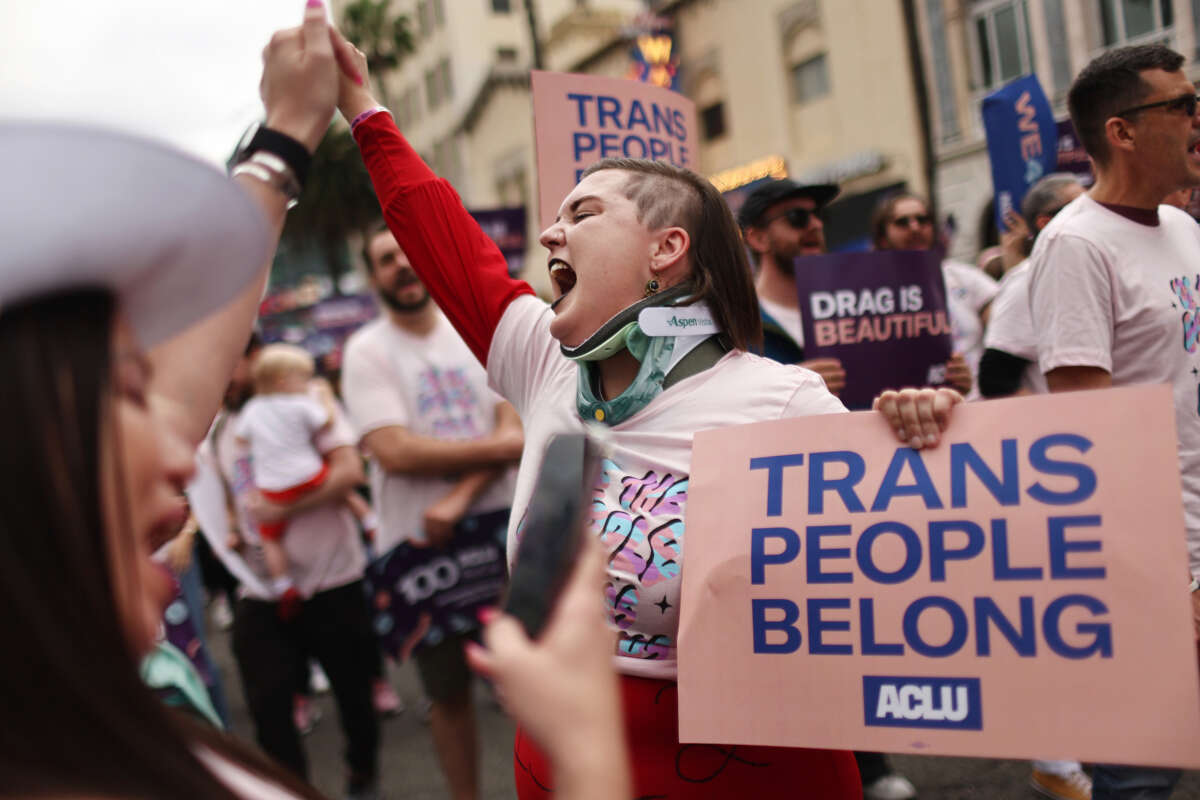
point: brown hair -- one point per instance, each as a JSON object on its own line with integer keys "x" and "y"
{"x": 667, "y": 195}
{"x": 1109, "y": 84}
{"x": 881, "y": 217}
{"x": 373, "y": 230}
{"x": 75, "y": 719}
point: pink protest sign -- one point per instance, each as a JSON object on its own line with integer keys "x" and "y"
{"x": 1020, "y": 591}
{"x": 580, "y": 119}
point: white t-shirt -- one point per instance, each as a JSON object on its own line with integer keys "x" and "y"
{"x": 322, "y": 544}
{"x": 1010, "y": 326}
{"x": 280, "y": 429}
{"x": 788, "y": 318}
{"x": 1109, "y": 292}
{"x": 638, "y": 513}
{"x": 433, "y": 386}
{"x": 968, "y": 291}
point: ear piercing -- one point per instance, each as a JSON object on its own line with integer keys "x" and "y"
{"x": 651, "y": 287}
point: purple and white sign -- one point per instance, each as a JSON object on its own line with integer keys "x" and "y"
{"x": 505, "y": 227}
{"x": 882, "y": 314}
{"x": 421, "y": 595}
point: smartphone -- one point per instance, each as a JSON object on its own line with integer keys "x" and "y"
{"x": 553, "y": 531}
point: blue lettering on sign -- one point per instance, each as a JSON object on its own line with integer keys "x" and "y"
{"x": 922, "y": 702}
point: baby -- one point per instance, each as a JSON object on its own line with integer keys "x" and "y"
{"x": 279, "y": 425}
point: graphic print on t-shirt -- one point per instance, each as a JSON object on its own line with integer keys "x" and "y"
{"x": 1186, "y": 292}
{"x": 639, "y": 519}
{"x": 446, "y": 399}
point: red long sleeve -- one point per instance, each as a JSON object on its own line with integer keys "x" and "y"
{"x": 462, "y": 268}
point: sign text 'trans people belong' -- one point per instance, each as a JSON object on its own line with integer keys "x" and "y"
{"x": 1020, "y": 589}
{"x": 580, "y": 119}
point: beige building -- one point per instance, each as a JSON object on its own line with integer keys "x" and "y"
{"x": 821, "y": 90}
{"x": 972, "y": 47}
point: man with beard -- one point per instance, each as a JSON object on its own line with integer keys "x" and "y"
{"x": 441, "y": 445}
{"x": 780, "y": 221}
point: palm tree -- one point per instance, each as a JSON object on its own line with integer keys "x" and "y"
{"x": 337, "y": 200}
{"x": 384, "y": 39}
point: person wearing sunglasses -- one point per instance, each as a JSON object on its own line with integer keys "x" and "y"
{"x": 903, "y": 222}
{"x": 1113, "y": 289}
{"x": 781, "y": 220}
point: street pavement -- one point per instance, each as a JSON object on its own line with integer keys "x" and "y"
{"x": 410, "y": 768}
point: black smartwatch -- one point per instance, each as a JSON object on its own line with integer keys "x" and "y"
{"x": 261, "y": 138}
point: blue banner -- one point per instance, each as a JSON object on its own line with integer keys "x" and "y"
{"x": 1022, "y": 140}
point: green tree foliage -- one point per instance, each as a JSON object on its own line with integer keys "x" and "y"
{"x": 337, "y": 200}
{"x": 384, "y": 38}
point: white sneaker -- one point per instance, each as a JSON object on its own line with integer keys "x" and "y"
{"x": 890, "y": 787}
{"x": 318, "y": 681}
{"x": 222, "y": 614}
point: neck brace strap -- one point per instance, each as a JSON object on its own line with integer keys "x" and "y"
{"x": 611, "y": 337}
{"x": 654, "y": 352}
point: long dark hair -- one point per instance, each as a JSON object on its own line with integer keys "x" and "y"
{"x": 668, "y": 195}
{"x": 75, "y": 719}
{"x": 881, "y": 217}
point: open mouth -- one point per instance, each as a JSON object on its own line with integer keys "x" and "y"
{"x": 405, "y": 280}
{"x": 562, "y": 275}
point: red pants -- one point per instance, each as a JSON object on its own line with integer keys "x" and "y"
{"x": 664, "y": 768}
{"x": 274, "y": 530}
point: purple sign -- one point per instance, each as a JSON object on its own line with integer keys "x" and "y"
{"x": 1071, "y": 155}
{"x": 421, "y": 595}
{"x": 505, "y": 227}
{"x": 882, "y": 314}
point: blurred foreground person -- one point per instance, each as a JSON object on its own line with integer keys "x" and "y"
{"x": 129, "y": 278}
{"x": 1113, "y": 288}
{"x": 563, "y": 688}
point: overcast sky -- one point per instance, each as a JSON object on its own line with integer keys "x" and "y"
{"x": 178, "y": 70}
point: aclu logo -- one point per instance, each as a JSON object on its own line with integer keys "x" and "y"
{"x": 899, "y": 702}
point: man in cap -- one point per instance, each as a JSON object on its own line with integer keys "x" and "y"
{"x": 780, "y": 221}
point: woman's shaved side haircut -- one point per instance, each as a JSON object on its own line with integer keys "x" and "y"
{"x": 665, "y": 196}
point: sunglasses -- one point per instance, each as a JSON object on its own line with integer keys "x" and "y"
{"x": 907, "y": 221}
{"x": 798, "y": 218}
{"x": 1185, "y": 103}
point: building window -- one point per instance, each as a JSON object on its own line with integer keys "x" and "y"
{"x": 424, "y": 17}
{"x": 439, "y": 13}
{"x": 712, "y": 121}
{"x": 506, "y": 55}
{"x": 1133, "y": 21}
{"x": 501, "y": 6}
{"x": 447, "y": 87}
{"x": 433, "y": 95}
{"x": 810, "y": 79}
{"x": 1000, "y": 31}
